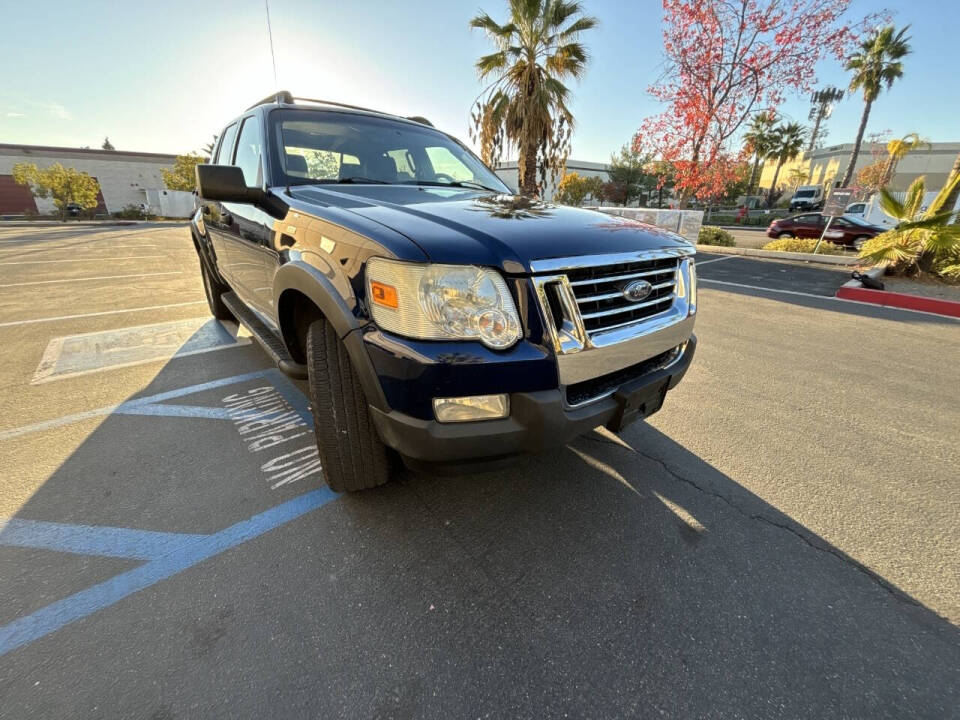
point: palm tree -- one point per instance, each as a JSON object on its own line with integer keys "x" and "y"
{"x": 876, "y": 65}
{"x": 950, "y": 201}
{"x": 923, "y": 240}
{"x": 526, "y": 104}
{"x": 896, "y": 151}
{"x": 787, "y": 145}
{"x": 758, "y": 140}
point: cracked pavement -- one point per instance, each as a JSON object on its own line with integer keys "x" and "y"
{"x": 780, "y": 541}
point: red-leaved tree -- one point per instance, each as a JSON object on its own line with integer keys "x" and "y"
{"x": 726, "y": 61}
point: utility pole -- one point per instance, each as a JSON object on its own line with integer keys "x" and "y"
{"x": 822, "y": 102}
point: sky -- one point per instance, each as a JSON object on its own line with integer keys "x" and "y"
{"x": 164, "y": 77}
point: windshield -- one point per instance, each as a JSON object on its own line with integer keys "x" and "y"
{"x": 327, "y": 147}
{"x": 858, "y": 221}
{"x": 805, "y": 194}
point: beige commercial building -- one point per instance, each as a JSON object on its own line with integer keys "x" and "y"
{"x": 828, "y": 165}
{"x": 507, "y": 171}
{"x": 125, "y": 178}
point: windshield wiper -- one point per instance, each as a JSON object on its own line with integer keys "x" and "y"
{"x": 332, "y": 181}
{"x": 361, "y": 180}
{"x": 457, "y": 183}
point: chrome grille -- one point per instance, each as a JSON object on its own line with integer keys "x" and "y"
{"x": 599, "y": 292}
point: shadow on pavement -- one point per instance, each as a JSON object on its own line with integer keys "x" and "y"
{"x": 795, "y": 283}
{"x": 611, "y": 578}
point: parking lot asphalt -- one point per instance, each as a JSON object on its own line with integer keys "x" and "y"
{"x": 780, "y": 541}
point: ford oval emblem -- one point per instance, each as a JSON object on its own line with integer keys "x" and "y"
{"x": 637, "y": 290}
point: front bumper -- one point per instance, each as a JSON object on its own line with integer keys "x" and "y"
{"x": 538, "y": 421}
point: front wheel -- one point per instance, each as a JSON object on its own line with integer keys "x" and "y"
{"x": 351, "y": 453}
{"x": 858, "y": 242}
{"x": 784, "y": 235}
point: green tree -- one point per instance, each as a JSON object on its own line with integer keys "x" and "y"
{"x": 923, "y": 240}
{"x": 66, "y": 186}
{"x": 787, "y": 144}
{"x": 573, "y": 189}
{"x": 183, "y": 174}
{"x": 628, "y": 174}
{"x": 664, "y": 176}
{"x": 875, "y": 66}
{"x": 107, "y": 145}
{"x": 525, "y": 105}
{"x": 758, "y": 141}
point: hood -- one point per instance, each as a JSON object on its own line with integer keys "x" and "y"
{"x": 459, "y": 225}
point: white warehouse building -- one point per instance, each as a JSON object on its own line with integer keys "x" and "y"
{"x": 125, "y": 178}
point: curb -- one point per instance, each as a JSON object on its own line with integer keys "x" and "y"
{"x": 854, "y": 290}
{"x": 777, "y": 255}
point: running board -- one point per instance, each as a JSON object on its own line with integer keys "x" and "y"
{"x": 273, "y": 345}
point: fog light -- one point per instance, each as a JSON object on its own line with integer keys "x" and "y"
{"x": 473, "y": 407}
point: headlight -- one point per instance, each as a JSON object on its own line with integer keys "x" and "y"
{"x": 442, "y": 302}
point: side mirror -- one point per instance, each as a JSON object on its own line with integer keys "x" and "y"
{"x": 226, "y": 184}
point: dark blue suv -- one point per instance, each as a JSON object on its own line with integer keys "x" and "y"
{"x": 438, "y": 317}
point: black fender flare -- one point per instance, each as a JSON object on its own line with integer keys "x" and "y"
{"x": 321, "y": 289}
{"x": 204, "y": 250}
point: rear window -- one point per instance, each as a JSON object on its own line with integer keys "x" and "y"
{"x": 226, "y": 145}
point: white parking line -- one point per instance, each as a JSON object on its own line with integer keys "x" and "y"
{"x": 98, "y": 277}
{"x": 719, "y": 259}
{"x": 760, "y": 287}
{"x": 821, "y": 297}
{"x": 100, "y": 259}
{"x": 96, "y": 314}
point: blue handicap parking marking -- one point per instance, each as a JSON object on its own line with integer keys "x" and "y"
{"x": 168, "y": 553}
{"x": 90, "y": 539}
{"x": 267, "y": 417}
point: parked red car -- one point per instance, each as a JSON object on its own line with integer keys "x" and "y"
{"x": 849, "y": 231}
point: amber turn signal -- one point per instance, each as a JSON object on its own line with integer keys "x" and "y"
{"x": 385, "y": 295}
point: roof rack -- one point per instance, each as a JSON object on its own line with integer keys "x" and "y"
{"x": 287, "y": 98}
{"x": 280, "y": 96}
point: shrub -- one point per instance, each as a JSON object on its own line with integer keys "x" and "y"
{"x": 710, "y": 235}
{"x": 129, "y": 212}
{"x": 802, "y": 245}
{"x": 924, "y": 240}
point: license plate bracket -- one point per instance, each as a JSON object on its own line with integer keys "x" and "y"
{"x": 637, "y": 401}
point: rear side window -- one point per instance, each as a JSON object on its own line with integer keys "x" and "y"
{"x": 226, "y": 146}
{"x": 248, "y": 151}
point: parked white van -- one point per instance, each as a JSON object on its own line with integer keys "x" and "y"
{"x": 807, "y": 197}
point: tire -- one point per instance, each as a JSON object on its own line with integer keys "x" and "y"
{"x": 858, "y": 242}
{"x": 213, "y": 289}
{"x": 785, "y": 235}
{"x": 351, "y": 453}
